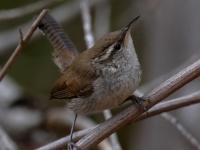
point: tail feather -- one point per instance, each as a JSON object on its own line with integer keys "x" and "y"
{"x": 64, "y": 50}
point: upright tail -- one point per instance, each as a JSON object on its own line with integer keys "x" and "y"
{"x": 64, "y": 50}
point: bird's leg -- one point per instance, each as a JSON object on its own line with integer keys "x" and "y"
{"x": 72, "y": 145}
{"x": 138, "y": 102}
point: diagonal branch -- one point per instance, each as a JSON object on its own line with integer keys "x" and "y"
{"x": 131, "y": 113}
{"x": 169, "y": 105}
{"x": 21, "y": 44}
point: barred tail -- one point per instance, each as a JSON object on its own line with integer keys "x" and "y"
{"x": 64, "y": 50}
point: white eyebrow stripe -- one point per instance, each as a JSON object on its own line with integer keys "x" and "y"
{"x": 107, "y": 54}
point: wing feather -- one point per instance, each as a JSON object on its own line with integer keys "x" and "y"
{"x": 75, "y": 82}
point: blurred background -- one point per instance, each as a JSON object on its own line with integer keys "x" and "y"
{"x": 167, "y": 39}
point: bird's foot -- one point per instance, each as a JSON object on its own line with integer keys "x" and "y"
{"x": 138, "y": 101}
{"x": 72, "y": 146}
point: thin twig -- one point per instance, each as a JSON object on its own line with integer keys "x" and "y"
{"x": 189, "y": 137}
{"x": 21, "y": 44}
{"x": 172, "y": 104}
{"x": 21, "y": 36}
{"x": 131, "y": 113}
{"x": 192, "y": 97}
{"x": 89, "y": 38}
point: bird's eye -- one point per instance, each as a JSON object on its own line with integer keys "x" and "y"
{"x": 117, "y": 47}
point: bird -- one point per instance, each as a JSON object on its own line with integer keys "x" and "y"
{"x": 101, "y": 77}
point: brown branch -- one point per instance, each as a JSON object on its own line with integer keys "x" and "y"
{"x": 131, "y": 113}
{"x": 21, "y": 44}
{"x": 174, "y": 104}
{"x": 169, "y": 105}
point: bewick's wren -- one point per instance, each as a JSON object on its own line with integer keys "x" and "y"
{"x": 101, "y": 77}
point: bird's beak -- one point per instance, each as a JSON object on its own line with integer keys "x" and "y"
{"x": 127, "y": 29}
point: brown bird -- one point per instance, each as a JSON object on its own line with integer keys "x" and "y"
{"x": 102, "y": 77}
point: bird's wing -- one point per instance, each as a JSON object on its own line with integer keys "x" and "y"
{"x": 76, "y": 83}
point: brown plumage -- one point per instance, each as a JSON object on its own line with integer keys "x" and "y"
{"x": 76, "y": 80}
{"x": 101, "y": 77}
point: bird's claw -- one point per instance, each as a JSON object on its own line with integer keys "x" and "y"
{"x": 72, "y": 146}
